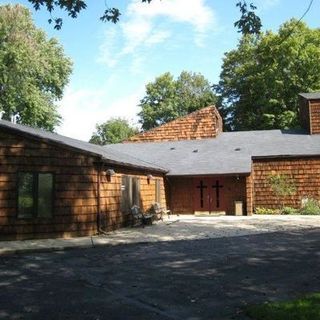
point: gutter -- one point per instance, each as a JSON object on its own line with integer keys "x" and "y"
{"x": 286, "y": 156}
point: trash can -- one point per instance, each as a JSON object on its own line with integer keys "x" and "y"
{"x": 238, "y": 208}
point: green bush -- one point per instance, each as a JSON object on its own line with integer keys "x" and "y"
{"x": 289, "y": 210}
{"x": 282, "y": 186}
{"x": 310, "y": 207}
{"x": 262, "y": 210}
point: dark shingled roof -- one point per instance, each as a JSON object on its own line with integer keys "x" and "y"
{"x": 310, "y": 96}
{"x": 229, "y": 153}
{"x": 110, "y": 156}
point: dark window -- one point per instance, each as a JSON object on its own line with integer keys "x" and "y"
{"x": 157, "y": 191}
{"x": 130, "y": 193}
{"x": 45, "y": 190}
{"x": 25, "y": 195}
{"x": 35, "y": 195}
{"x": 135, "y": 192}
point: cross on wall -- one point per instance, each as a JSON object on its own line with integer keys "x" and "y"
{"x": 201, "y": 187}
{"x": 217, "y": 186}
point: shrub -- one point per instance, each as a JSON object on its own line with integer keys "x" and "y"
{"x": 289, "y": 210}
{"x": 261, "y": 210}
{"x": 310, "y": 207}
{"x": 282, "y": 186}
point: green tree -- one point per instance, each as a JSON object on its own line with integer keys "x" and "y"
{"x": 167, "y": 99}
{"x": 33, "y": 70}
{"x": 260, "y": 80}
{"x": 114, "y": 130}
{"x": 249, "y": 22}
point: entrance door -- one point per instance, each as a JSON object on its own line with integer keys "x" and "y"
{"x": 209, "y": 194}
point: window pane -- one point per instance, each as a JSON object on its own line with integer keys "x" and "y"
{"x": 45, "y": 194}
{"x": 25, "y": 195}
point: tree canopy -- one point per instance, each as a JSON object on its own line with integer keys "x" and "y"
{"x": 167, "y": 99}
{"x": 249, "y": 22}
{"x": 114, "y": 130}
{"x": 260, "y": 79}
{"x": 33, "y": 70}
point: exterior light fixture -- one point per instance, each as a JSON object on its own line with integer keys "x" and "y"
{"x": 149, "y": 176}
{"x": 110, "y": 172}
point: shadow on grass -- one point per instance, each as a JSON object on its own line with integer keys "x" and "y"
{"x": 305, "y": 308}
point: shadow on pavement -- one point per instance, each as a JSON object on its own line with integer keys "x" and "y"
{"x": 187, "y": 279}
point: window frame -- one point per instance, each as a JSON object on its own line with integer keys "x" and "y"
{"x": 35, "y": 194}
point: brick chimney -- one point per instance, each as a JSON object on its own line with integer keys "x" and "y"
{"x": 309, "y": 105}
{"x": 200, "y": 124}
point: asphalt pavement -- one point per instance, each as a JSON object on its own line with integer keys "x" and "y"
{"x": 193, "y": 279}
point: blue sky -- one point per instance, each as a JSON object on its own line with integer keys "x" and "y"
{"x": 113, "y": 63}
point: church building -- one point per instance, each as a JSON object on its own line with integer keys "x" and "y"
{"x": 55, "y": 186}
{"x": 212, "y": 171}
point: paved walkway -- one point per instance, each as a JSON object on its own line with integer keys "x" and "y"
{"x": 186, "y": 227}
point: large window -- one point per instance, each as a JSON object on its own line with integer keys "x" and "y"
{"x": 35, "y": 195}
{"x": 130, "y": 193}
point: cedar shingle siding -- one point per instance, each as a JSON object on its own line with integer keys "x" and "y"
{"x": 75, "y": 203}
{"x": 303, "y": 172}
{"x": 204, "y": 123}
{"x": 85, "y": 197}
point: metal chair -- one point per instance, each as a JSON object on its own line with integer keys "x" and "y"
{"x": 140, "y": 218}
{"x": 159, "y": 211}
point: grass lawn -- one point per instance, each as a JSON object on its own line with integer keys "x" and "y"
{"x": 305, "y": 308}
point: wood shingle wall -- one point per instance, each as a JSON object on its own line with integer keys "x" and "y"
{"x": 315, "y": 116}
{"x": 201, "y": 124}
{"x": 111, "y": 196}
{"x": 304, "y": 173}
{"x": 75, "y": 195}
{"x": 310, "y": 115}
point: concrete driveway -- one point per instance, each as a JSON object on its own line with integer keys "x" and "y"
{"x": 183, "y": 227}
{"x": 191, "y": 279}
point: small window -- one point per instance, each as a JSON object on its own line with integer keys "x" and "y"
{"x": 157, "y": 191}
{"x": 45, "y": 189}
{"x": 35, "y": 195}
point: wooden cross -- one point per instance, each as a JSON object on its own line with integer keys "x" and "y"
{"x": 201, "y": 187}
{"x": 217, "y": 186}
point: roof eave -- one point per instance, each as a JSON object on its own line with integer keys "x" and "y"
{"x": 285, "y": 156}
{"x": 186, "y": 175}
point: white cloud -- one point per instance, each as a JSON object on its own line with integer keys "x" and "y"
{"x": 147, "y": 25}
{"x": 106, "y": 55}
{"x": 158, "y": 37}
{"x": 264, "y": 5}
{"x": 194, "y": 12}
{"x": 82, "y": 109}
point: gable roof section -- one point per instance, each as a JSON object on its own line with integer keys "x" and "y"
{"x": 310, "y": 95}
{"x": 200, "y": 124}
{"x": 229, "y": 153}
{"x": 111, "y": 156}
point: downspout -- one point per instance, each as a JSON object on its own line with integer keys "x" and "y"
{"x": 99, "y": 167}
